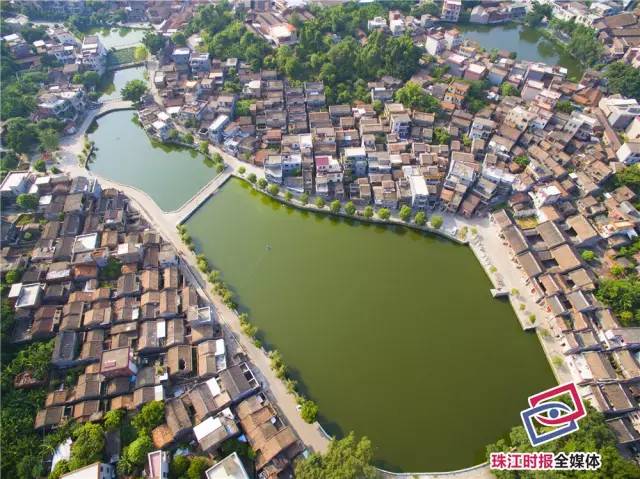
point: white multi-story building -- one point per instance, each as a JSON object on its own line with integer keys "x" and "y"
{"x": 629, "y": 153}
{"x": 451, "y": 10}
{"x": 93, "y": 54}
{"x": 435, "y": 43}
{"x": 418, "y": 187}
{"x": 619, "y": 111}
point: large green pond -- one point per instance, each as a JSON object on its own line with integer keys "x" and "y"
{"x": 126, "y": 154}
{"x": 392, "y": 332}
{"x": 527, "y": 42}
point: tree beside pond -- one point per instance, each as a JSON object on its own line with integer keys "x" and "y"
{"x": 134, "y": 90}
{"x": 384, "y": 213}
{"x": 350, "y": 208}
{"x": 404, "y": 213}
{"x": 346, "y": 458}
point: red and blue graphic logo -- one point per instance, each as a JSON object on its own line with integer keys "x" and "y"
{"x": 559, "y": 408}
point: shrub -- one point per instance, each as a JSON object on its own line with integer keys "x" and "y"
{"x": 288, "y": 195}
{"x": 420, "y": 218}
{"x": 405, "y": 213}
{"x": 113, "y": 419}
{"x": 262, "y": 183}
{"x": 384, "y": 213}
{"x": 368, "y": 212}
{"x": 178, "y": 467}
{"x": 320, "y": 203}
{"x": 350, "y": 208}
{"x": 242, "y": 170}
{"x": 40, "y": 166}
{"x": 252, "y": 178}
{"x": 150, "y": 416}
{"x": 304, "y": 198}
{"x": 273, "y": 190}
{"x": 436, "y": 221}
{"x": 309, "y": 411}
{"x": 335, "y": 206}
{"x": 588, "y": 255}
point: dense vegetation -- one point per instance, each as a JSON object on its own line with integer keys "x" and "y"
{"x": 22, "y": 454}
{"x": 593, "y": 436}
{"x": 346, "y": 458}
{"x": 19, "y": 100}
{"x": 583, "y": 42}
{"x": 623, "y": 79}
{"x": 329, "y": 51}
{"x": 225, "y": 36}
{"x": 537, "y": 14}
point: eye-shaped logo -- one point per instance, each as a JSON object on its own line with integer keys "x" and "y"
{"x": 548, "y": 412}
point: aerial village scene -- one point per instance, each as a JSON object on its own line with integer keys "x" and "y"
{"x": 158, "y": 155}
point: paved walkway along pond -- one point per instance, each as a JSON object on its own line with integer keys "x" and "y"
{"x": 393, "y": 333}
{"x": 126, "y": 154}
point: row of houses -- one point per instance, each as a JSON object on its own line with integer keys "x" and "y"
{"x": 127, "y": 327}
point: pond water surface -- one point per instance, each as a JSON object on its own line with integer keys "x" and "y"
{"x": 392, "y": 332}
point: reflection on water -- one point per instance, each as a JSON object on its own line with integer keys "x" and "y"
{"x": 527, "y": 42}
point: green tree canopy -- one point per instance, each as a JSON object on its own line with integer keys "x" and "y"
{"x": 384, "y": 213}
{"x": 153, "y": 41}
{"x": 150, "y": 416}
{"x": 40, "y": 165}
{"x": 179, "y": 39}
{"x": 49, "y": 139}
{"x": 346, "y": 458}
{"x": 623, "y": 79}
{"x": 350, "y": 208}
{"x": 411, "y": 95}
{"x": 420, "y": 218}
{"x": 441, "y": 136}
{"x": 437, "y": 221}
{"x": 405, "y": 213}
{"x": 507, "y": 89}
{"x": 335, "y": 206}
{"x": 134, "y": 90}
{"x": 27, "y": 201}
{"x": 242, "y": 107}
{"x": 564, "y": 106}
{"x": 368, "y": 212}
{"x": 623, "y": 295}
{"x": 20, "y": 134}
{"x": 87, "y": 446}
{"x": 113, "y": 419}
{"x": 197, "y": 467}
{"x": 309, "y": 411}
